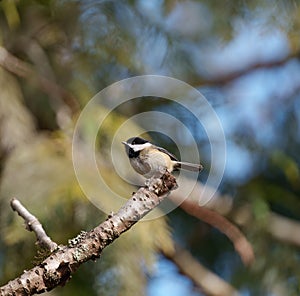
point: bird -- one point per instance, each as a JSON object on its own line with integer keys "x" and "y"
{"x": 151, "y": 161}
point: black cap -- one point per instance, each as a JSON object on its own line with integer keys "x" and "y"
{"x": 137, "y": 140}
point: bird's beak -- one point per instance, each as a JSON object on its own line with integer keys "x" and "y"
{"x": 125, "y": 143}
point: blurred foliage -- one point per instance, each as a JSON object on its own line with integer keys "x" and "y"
{"x": 242, "y": 55}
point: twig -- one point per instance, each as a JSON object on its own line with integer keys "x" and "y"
{"x": 213, "y": 218}
{"x": 208, "y": 282}
{"x": 281, "y": 228}
{"x": 240, "y": 242}
{"x": 57, "y": 268}
{"x": 25, "y": 70}
{"x": 33, "y": 224}
{"x": 284, "y": 229}
{"x": 229, "y": 76}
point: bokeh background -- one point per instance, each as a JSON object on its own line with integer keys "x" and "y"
{"x": 243, "y": 56}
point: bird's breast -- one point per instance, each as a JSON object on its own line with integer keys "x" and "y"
{"x": 152, "y": 163}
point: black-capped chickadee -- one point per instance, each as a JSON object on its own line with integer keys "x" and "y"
{"x": 153, "y": 161}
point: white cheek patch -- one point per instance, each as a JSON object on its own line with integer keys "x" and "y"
{"x": 140, "y": 147}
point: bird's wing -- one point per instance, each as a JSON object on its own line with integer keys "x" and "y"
{"x": 172, "y": 156}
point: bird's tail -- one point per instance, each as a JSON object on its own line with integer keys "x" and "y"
{"x": 189, "y": 166}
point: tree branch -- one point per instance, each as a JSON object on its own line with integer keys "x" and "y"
{"x": 25, "y": 70}
{"x": 215, "y": 218}
{"x": 229, "y": 76}
{"x": 281, "y": 228}
{"x": 208, "y": 282}
{"x": 33, "y": 224}
{"x": 57, "y": 268}
{"x": 240, "y": 242}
